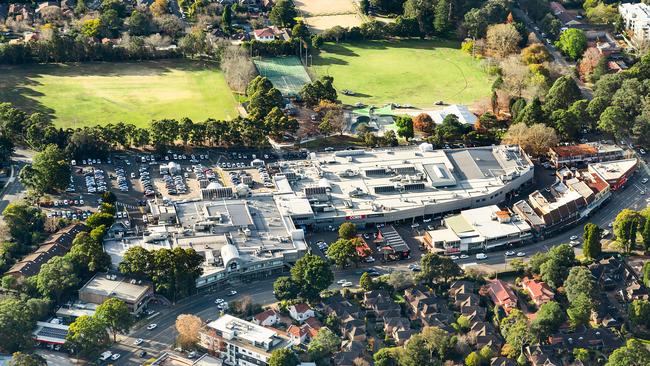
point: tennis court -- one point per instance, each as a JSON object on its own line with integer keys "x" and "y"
{"x": 286, "y": 73}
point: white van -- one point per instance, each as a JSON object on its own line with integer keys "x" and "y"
{"x": 481, "y": 256}
{"x": 105, "y": 355}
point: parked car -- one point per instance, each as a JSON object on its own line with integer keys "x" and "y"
{"x": 481, "y": 256}
{"x": 152, "y": 326}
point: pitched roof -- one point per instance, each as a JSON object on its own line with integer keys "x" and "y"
{"x": 538, "y": 290}
{"x": 501, "y": 293}
{"x": 264, "y": 32}
{"x": 261, "y": 317}
{"x": 301, "y": 308}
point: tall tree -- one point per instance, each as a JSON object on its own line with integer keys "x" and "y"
{"x": 87, "y": 335}
{"x": 25, "y": 222}
{"x": 435, "y": 268}
{"x": 502, "y": 39}
{"x": 572, "y": 43}
{"x": 625, "y": 228}
{"x": 579, "y": 282}
{"x": 285, "y": 289}
{"x": 283, "y": 13}
{"x": 347, "y": 230}
{"x": 591, "y": 246}
{"x": 579, "y": 310}
{"x": 188, "y": 327}
{"x": 16, "y": 325}
{"x": 562, "y": 94}
{"x": 634, "y": 353}
{"x": 442, "y": 17}
{"x": 283, "y": 357}
{"x": 49, "y": 171}
{"x": 226, "y": 17}
{"x": 404, "y": 127}
{"x": 341, "y": 252}
{"x": 324, "y": 344}
{"x": 56, "y": 277}
{"x": 312, "y": 274}
{"x": 115, "y": 315}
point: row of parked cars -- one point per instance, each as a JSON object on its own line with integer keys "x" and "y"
{"x": 95, "y": 181}
{"x": 145, "y": 180}
{"x": 70, "y": 214}
{"x": 203, "y": 173}
{"x": 174, "y": 184}
{"x": 266, "y": 178}
{"x": 122, "y": 182}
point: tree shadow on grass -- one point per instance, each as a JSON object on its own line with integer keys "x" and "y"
{"x": 18, "y": 83}
{"x": 328, "y": 60}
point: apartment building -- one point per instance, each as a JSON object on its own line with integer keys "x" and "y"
{"x": 583, "y": 154}
{"x": 636, "y": 18}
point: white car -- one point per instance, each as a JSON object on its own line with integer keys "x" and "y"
{"x": 521, "y": 254}
{"x": 415, "y": 225}
{"x": 573, "y": 237}
{"x": 454, "y": 257}
{"x": 481, "y": 256}
{"x": 115, "y": 356}
{"x": 105, "y": 355}
{"x": 342, "y": 281}
{"x": 644, "y": 180}
{"x": 574, "y": 243}
{"x": 347, "y": 284}
{"x": 509, "y": 253}
{"x": 152, "y": 326}
{"x": 464, "y": 256}
{"x": 138, "y": 341}
{"x": 232, "y": 293}
{"x": 218, "y": 301}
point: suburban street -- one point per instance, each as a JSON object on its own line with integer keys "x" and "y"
{"x": 15, "y": 189}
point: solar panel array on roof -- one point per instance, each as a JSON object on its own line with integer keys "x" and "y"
{"x": 290, "y": 175}
{"x": 384, "y": 189}
{"x": 315, "y": 191}
{"x": 413, "y": 186}
{"x": 405, "y": 170}
{"x": 394, "y": 240}
{"x": 377, "y": 171}
{"x": 52, "y": 333}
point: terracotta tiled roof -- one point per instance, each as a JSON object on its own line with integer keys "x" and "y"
{"x": 301, "y": 308}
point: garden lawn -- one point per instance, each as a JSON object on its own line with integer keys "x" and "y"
{"x": 86, "y": 94}
{"x": 417, "y": 72}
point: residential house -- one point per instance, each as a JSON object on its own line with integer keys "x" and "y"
{"x": 300, "y": 312}
{"x": 353, "y": 329}
{"x": 380, "y": 303}
{"x": 601, "y": 339}
{"x": 502, "y": 295}
{"x": 270, "y": 34}
{"x": 539, "y": 291}
{"x": 636, "y": 19}
{"x": 567, "y": 19}
{"x": 462, "y": 287}
{"x": 267, "y": 318}
{"x": 605, "y": 314}
{"x": 541, "y": 356}
{"x": 503, "y": 361}
{"x": 474, "y": 313}
{"x": 341, "y": 307}
{"x": 350, "y": 351}
{"x": 304, "y": 333}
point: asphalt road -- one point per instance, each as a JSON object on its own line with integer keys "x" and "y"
{"x": 15, "y": 189}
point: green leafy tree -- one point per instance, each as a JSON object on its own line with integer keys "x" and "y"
{"x": 435, "y": 268}
{"x": 613, "y": 121}
{"x": 579, "y": 310}
{"x": 579, "y": 282}
{"x": 16, "y": 325}
{"x": 439, "y": 342}
{"x": 416, "y": 352}
{"x": 56, "y": 277}
{"x": 341, "y": 252}
{"x": 116, "y": 315}
{"x": 473, "y": 359}
{"x": 634, "y": 353}
{"x": 347, "y": 230}
{"x": 387, "y": 356}
{"x": 591, "y": 246}
{"x": 548, "y": 319}
{"x": 404, "y": 127}
{"x": 312, "y": 274}
{"x": 226, "y": 17}
{"x": 581, "y": 354}
{"x": 87, "y": 253}
{"x": 390, "y": 139}
{"x": 110, "y": 23}
{"x": 25, "y": 222}
{"x": 49, "y": 171}
{"x": 283, "y": 357}
{"x": 324, "y": 344}
{"x": 91, "y": 27}
{"x": 531, "y": 113}
{"x": 285, "y": 289}
{"x": 572, "y": 42}
{"x": 626, "y": 225}
{"x": 365, "y": 282}
{"x": 100, "y": 219}
{"x": 562, "y": 94}
{"x": 639, "y": 313}
{"x": 87, "y": 335}
{"x": 301, "y": 32}
{"x": 283, "y": 13}
{"x": 645, "y": 233}
{"x": 441, "y": 20}
{"x": 514, "y": 329}
{"x": 27, "y": 359}
{"x": 139, "y": 24}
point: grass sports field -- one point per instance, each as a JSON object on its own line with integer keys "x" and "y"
{"x": 77, "y": 95}
{"x": 406, "y": 72}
